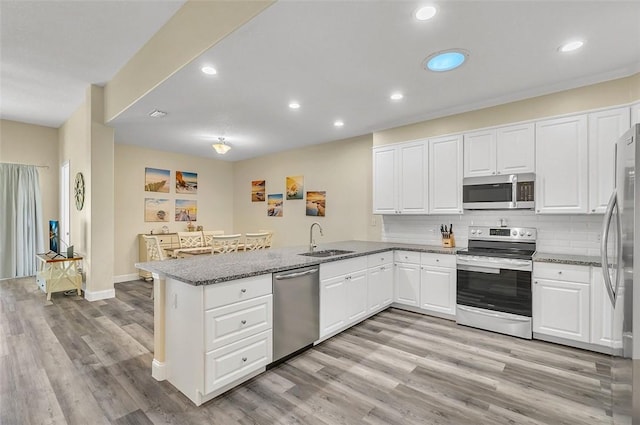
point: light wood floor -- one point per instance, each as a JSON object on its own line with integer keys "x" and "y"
{"x": 69, "y": 361}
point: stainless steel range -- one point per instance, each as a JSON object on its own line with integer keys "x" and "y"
{"x": 494, "y": 280}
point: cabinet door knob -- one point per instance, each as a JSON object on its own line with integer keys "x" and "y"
{"x": 560, "y": 272}
{"x": 244, "y": 322}
{"x": 244, "y": 359}
{"x": 243, "y": 290}
{"x": 535, "y": 281}
{"x": 593, "y": 210}
{"x": 437, "y": 260}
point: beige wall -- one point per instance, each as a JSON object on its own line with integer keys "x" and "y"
{"x": 215, "y": 197}
{"x": 610, "y": 93}
{"x": 342, "y": 169}
{"x": 35, "y": 145}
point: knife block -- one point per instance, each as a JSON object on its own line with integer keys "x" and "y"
{"x": 449, "y": 242}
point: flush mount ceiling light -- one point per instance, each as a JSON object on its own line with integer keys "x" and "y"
{"x": 446, "y": 60}
{"x": 294, "y": 105}
{"x": 571, "y": 46}
{"x": 157, "y": 113}
{"x": 396, "y": 96}
{"x": 338, "y": 123}
{"x": 209, "y": 70}
{"x": 425, "y": 13}
{"x": 221, "y": 146}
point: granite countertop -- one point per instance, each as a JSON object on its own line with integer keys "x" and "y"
{"x": 578, "y": 260}
{"x": 210, "y": 269}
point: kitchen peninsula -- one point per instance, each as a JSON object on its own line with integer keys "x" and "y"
{"x": 195, "y": 296}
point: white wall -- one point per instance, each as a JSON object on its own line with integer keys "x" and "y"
{"x": 214, "y": 197}
{"x": 342, "y": 169}
{"x": 35, "y": 145}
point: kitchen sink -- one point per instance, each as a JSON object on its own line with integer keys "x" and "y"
{"x": 326, "y": 253}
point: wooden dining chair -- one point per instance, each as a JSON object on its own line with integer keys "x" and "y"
{"x": 255, "y": 241}
{"x": 269, "y": 239}
{"x": 222, "y": 244}
{"x": 207, "y": 236}
{"x": 190, "y": 239}
{"x": 154, "y": 252}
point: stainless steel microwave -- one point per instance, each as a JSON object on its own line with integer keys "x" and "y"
{"x": 501, "y": 192}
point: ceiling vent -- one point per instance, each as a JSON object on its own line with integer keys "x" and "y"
{"x": 157, "y": 113}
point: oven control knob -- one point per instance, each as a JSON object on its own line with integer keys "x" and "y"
{"x": 479, "y": 231}
{"x": 521, "y": 233}
{"x": 528, "y": 233}
{"x": 473, "y": 232}
{"x": 514, "y": 233}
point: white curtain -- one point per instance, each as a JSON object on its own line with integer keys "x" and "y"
{"x": 21, "y": 233}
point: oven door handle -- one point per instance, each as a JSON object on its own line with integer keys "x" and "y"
{"x": 484, "y": 313}
{"x": 507, "y": 264}
{"x": 479, "y": 269}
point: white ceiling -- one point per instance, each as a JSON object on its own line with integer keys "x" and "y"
{"x": 342, "y": 60}
{"x": 51, "y": 51}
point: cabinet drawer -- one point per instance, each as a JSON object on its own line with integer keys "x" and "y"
{"x": 236, "y": 290}
{"x": 438, "y": 260}
{"x": 234, "y": 322}
{"x": 342, "y": 267}
{"x": 234, "y": 361}
{"x": 379, "y": 259}
{"x": 562, "y": 272}
{"x": 407, "y": 257}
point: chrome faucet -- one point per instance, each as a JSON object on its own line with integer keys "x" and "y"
{"x": 312, "y": 243}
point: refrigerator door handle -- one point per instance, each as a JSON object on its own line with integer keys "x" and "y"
{"x": 606, "y": 226}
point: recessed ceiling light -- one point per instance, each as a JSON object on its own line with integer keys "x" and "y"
{"x": 446, "y": 60}
{"x": 396, "y": 96}
{"x": 294, "y": 105}
{"x": 157, "y": 113}
{"x": 209, "y": 70}
{"x": 425, "y": 13}
{"x": 571, "y": 46}
{"x": 338, "y": 123}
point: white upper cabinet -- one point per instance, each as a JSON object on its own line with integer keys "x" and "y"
{"x": 562, "y": 165}
{"x": 506, "y": 150}
{"x": 445, "y": 175}
{"x": 400, "y": 179}
{"x": 635, "y": 114}
{"x": 604, "y": 129}
{"x": 515, "y": 149}
{"x": 480, "y": 153}
{"x": 385, "y": 180}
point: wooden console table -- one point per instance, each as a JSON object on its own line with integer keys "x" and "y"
{"x": 58, "y": 273}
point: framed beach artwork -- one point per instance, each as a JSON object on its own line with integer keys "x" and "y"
{"x": 274, "y": 205}
{"x": 156, "y": 209}
{"x": 316, "y": 203}
{"x": 156, "y": 180}
{"x": 186, "y": 210}
{"x": 186, "y": 182}
{"x": 295, "y": 187}
{"x": 258, "y": 190}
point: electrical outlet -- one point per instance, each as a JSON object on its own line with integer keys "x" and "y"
{"x": 374, "y": 221}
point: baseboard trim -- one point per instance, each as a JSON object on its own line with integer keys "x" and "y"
{"x": 99, "y": 295}
{"x": 158, "y": 370}
{"x": 126, "y": 277}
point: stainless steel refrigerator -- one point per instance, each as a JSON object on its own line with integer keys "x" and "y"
{"x": 621, "y": 273}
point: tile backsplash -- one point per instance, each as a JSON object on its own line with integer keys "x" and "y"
{"x": 564, "y": 234}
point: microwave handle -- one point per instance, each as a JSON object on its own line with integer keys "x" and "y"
{"x": 514, "y": 190}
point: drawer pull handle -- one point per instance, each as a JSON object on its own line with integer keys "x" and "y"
{"x": 243, "y": 290}
{"x": 244, "y": 322}
{"x": 437, "y": 260}
{"x": 560, "y": 272}
{"x": 244, "y": 359}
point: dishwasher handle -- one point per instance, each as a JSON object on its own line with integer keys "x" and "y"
{"x": 294, "y": 275}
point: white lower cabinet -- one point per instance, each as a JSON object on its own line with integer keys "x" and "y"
{"x": 217, "y": 336}
{"x": 379, "y": 281}
{"x": 407, "y": 278}
{"x": 343, "y": 294}
{"x": 606, "y": 326}
{"x": 562, "y": 301}
{"x": 438, "y": 283}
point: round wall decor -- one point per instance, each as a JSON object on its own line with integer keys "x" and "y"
{"x": 79, "y": 191}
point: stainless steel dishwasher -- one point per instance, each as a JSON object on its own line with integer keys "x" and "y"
{"x": 296, "y": 310}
